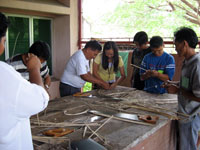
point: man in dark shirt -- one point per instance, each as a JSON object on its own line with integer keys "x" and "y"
{"x": 140, "y": 40}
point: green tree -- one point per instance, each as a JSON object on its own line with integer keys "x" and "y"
{"x": 156, "y": 17}
{"x": 190, "y": 9}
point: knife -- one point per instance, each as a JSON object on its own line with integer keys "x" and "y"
{"x": 146, "y": 118}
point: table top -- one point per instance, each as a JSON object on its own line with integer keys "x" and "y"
{"x": 73, "y": 113}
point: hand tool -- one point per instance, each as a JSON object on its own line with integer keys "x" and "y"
{"x": 58, "y": 132}
{"x": 171, "y": 83}
{"x": 79, "y": 94}
{"x": 174, "y": 83}
{"x": 145, "y": 118}
{"x": 138, "y": 67}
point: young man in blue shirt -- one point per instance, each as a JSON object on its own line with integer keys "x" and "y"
{"x": 159, "y": 66}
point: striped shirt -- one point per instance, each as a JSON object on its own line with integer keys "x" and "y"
{"x": 18, "y": 64}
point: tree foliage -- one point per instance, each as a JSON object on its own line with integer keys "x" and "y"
{"x": 156, "y": 17}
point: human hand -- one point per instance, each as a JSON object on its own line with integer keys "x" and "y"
{"x": 171, "y": 88}
{"x": 106, "y": 86}
{"x": 170, "y": 83}
{"x": 154, "y": 73}
{"x": 148, "y": 73}
{"x": 33, "y": 62}
{"x": 113, "y": 85}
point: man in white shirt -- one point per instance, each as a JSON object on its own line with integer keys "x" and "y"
{"x": 77, "y": 70}
{"x": 19, "y": 99}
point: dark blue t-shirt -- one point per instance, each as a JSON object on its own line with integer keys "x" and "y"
{"x": 164, "y": 64}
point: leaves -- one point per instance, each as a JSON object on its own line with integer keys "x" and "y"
{"x": 156, "y": 17}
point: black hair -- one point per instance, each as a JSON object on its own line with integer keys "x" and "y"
{"x": 4, "y": 23}
{"x": 187, "y": 34}
{"x": 141, "y": 37}
{"x": 94, "y": 45}
{"x": 107, "y": 46}
{"x": 156, "y": 42}
{"x": 40, "y": 49}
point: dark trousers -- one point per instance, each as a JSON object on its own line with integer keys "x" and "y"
{"x": 137, "y": 83}
{"x": 66, "y": 90}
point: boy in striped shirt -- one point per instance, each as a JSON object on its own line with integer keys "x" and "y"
{"x": 42, "y": 51}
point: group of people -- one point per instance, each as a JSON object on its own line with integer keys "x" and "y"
{"x": 24, "y": 95}
{"x": 105, "y": 65}
{"x": 157, "y": 69}
{"x": 25, "y": 81}
{"x": 156, "y": 65}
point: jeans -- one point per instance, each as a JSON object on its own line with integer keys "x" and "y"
{"x": 66, "y": 90}
{"x": 188, "y": 134}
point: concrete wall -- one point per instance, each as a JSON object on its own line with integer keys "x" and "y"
{"x": 61, "y": 44}
{"x": 47, "y": 6}
{"x": 163, "y": 139}
{"x": 64, "y": 14}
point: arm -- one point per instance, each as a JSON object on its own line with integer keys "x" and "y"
{"x": 132, "y": 76}
{"x": 47, "y": 80}
{"x": 154, "y": 73}
{"x": 47, "y": 83}
{"x": 95, "y": 71}
{"x": 120, "y": 79}
{"x": 33, "y": 66}
{"x": 161, "y": 76}
{"x": 32, "y": 98}
{"x": 88, "y": 77}
{"x": 169, "y": 72}
{"x": 174, "y": 89}
{"x": 145, "y": 75}
{"x": 132, "y": 73}
{"x": 189, "y": 95}
{"x": 171, "y": 88}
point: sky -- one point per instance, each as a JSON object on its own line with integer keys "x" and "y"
{"x": 95, "y": 8}
{"x": 93, "y": 11}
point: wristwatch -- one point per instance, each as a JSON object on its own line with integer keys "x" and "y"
{"x": 46, "y": 85}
